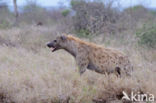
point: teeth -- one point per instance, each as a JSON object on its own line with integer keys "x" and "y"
{"x": 53, "y": 49}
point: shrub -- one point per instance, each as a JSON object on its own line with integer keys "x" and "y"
{"x": 4, "y": 24}
{"x": 83, "y": 33}
{"x": 65, "y": 12}
{"x": 34, "y": 13}
{"x": 92, "y": 16}
{"x": 147, "y": 35}
{"x": 6, "y": 17}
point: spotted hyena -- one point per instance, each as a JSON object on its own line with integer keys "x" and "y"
{"x": 93, "y": 57}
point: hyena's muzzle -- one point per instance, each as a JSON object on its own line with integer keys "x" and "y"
{"x": 53, "y": 45}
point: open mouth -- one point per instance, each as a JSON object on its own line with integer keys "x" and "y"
{"x": 53, "y": 49}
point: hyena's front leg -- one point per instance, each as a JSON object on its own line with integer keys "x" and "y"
{"x": 82, "y": 63}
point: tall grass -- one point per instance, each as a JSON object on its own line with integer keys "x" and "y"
{"x": 30, "y": 73}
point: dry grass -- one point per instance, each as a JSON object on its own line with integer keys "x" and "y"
{"x": 30, "y": 73}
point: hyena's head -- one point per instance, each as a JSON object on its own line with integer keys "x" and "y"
{"x": 59, "y": 43}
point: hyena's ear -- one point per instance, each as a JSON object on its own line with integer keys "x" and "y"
{"x": 63, "y": 38}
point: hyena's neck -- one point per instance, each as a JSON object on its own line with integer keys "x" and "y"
{"x": 72, "y": 48}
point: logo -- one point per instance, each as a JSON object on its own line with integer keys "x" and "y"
{"x": 138, "y": 97}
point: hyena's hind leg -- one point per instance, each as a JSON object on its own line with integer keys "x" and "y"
{"x": 118, "y": 70}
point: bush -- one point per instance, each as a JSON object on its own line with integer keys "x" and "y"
{"x": 92, "y": 16}
{"x": 34, "y": 13}
{"x": 83, "y": 33}
{"x": 6, "y": 17}
{"x": 4, "y": 24}
{"x": 65, "y": 12}
{"x": 147, "y": 35}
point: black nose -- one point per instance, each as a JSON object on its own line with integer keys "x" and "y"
{"x": 49, "y": 45}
